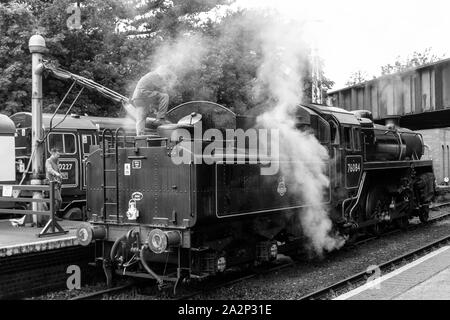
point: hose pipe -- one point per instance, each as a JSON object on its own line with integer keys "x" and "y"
{"x": 147, "y": 268}
{"x": 112, "y": 254}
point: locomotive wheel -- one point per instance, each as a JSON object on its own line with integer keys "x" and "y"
{"x": 402, "y": 223}
{"x": 377, "y": 201}
{"x": 377, "y": 229}
{"x": 424, "y": 213}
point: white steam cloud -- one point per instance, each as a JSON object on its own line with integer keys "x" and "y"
{"x": 173, "y": 60}
{"x": 279, "y": 83}
{"x": 179, "y": 56}
{"x": 303, "y": 159}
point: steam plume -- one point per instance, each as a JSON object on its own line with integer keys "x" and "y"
{"x": 302, "y": 158}
{"x": 173, "y": 60}
{"x": 180, "y": 56}
{"x": 279, "y": 83}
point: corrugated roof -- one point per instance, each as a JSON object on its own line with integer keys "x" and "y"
{"x": 396, "y": 74}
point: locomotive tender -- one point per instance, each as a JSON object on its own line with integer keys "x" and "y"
{"x": 156, "y": 219}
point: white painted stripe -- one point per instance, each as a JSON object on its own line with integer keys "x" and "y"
{"x": 36, "y": 243}
{"x": 371, "y": 284}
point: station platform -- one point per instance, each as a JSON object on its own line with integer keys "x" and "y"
{"x": 427, "y": 278}
{"x": 21, "y": 240}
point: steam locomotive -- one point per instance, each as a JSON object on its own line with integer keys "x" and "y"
{"x": 154, "y": 218}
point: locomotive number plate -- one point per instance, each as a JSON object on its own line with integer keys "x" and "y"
{"x": 69, "y": 172}
{"x": 353, "y": 170}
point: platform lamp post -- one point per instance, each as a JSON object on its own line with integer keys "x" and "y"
{"x": 37, "y": 47}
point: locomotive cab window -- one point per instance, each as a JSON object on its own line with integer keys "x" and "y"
{"x": 323, "y": 131}
{"x": 87, "y": 141}
{"x": 348, "y": 138}
{"x": 334, "y": 133}
{"x": 65, "y": 142}
{"x": 357, "y": 139}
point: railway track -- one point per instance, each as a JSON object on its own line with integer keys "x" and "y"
{"x": 322, "y": 293}
{"x": 99, "y": 295}
{"x": 409, "y": 227}
{"x": 361, "y": 278}
{"x": 235, "y": 280}
{"x": 280, "y": 267}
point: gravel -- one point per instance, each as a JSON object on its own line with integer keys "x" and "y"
{"x": 305, "y": 276}
{"x": 309, "y": 276}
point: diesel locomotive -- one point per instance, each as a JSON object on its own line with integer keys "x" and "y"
{"x": 72, "y": 135}
{"x": 155, "y": 218}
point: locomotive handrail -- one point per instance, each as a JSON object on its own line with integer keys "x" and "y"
{"x": 52, "y": 227}
{"x": 105, "y": 152}
{"x": 104, "y": 143}
{"x": 104, "y": 137}
{"x": 116, "y": 137}
{"x": 124, "y": 136}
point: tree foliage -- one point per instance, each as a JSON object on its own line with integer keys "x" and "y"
{"x": 15, "y": 66}
{"x": 416, "y": 59}
{"x": 357, "y": 77}
{"x": 117, "y": 44}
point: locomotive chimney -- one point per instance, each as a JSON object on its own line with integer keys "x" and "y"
{"x": 37, "y": 47}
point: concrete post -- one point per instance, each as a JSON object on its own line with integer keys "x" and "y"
{"x": 37, "y": 48}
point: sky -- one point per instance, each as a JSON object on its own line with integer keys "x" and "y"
{"x": 352, "y": 35}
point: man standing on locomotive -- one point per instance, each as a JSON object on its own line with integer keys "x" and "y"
{"x": 53, "y": 173}
{"x": 150, "y": 96}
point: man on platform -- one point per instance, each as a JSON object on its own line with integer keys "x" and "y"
{"x": 53, "y": 173}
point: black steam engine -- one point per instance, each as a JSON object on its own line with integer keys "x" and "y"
{"x": 155, "y": 217}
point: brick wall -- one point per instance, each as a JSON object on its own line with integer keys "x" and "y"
{"x": 36, "y": 273}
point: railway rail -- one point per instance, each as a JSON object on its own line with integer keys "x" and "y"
{"x": 98, "y": 295}
{"x": 235, "y": 280}
{"x": 361, "y": 277}
{"x": 409, "y": 227}
{"x": 247, "y": 277}
{"x": 322, "y": 293}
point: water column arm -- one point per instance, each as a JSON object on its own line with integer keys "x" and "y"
{"x": 62, "y": 74}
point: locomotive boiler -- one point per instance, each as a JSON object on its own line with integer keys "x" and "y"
{"x": 157, "y": 217}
